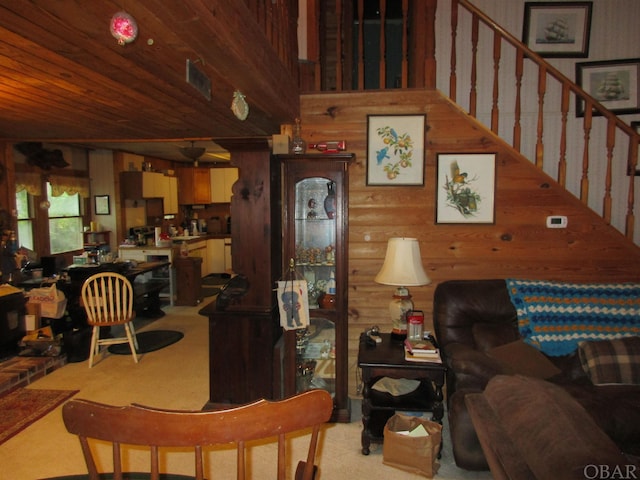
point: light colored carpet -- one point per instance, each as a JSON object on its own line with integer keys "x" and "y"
{"x": 177, "y": 377}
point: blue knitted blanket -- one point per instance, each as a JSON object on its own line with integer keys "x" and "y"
{"x": 554, "y": 317}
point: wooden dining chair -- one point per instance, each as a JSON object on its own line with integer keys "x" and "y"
{"x": 155, "y": 428}
{"x": 108, "y": 301}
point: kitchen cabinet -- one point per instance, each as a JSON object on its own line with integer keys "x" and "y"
{"x": 222, "y": 180}
{"x": 137, "y": 185}
{"x": 194, "y": 185}
{"x": 315, "y": 217}
{"x": 215, "y": 249}
{"x": 171, "y": 196}
{"x": 143, "y": 185}
{"x": 219, "y": 255}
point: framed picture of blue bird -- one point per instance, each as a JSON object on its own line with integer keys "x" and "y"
{"x": 465, "y": 190}
{"x": 395, "y": 149}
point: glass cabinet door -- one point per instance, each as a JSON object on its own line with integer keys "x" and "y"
{"x": 315, "y": 248}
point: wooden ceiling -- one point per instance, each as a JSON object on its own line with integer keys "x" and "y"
{"x": 63, "y": 76}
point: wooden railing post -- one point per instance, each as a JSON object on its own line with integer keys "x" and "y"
{"x": 611, "y": 142}
{"x": 453, "y": 80}
{"x": 382, "y": 64}
{"x": 584, "y": 181}
{"x": 430, "y": 45}
{"x": 517, "y": 127}
{"x": 632, "y": 162}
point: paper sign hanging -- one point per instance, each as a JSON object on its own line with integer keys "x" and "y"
{"x": 293, "y": 302}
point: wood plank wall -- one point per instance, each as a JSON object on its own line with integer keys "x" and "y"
{"x": 517, "y": 245}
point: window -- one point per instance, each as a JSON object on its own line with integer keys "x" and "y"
{"x": 65, "y": 222}
{"x": 24, "y": 203}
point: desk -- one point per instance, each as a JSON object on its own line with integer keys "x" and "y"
{"x": 146, "y": 289}
{"x": 387, "y": 360}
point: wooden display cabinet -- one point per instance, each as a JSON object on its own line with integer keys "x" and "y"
{"x": 315, "y": 223}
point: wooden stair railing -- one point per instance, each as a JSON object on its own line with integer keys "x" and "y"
{"x": 419, "y": 71}
{"x": 613, "y": 127}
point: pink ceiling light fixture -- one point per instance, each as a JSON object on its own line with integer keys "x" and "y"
{"x": 124, "y": 28}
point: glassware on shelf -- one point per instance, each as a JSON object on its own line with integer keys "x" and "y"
{"x": 298, "y": 145}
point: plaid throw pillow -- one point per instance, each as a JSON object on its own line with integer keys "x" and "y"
{"x": 611, "y": 361}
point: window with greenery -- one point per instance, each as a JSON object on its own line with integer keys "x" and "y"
{"x": 65, "y": 222}
{"x": 24, "y": 204}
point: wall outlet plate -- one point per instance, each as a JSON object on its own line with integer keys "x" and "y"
{"x": 557, "y": 221}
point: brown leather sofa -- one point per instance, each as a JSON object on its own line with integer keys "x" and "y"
{"x": 473, "y": 320}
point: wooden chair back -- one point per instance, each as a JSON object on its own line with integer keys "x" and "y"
{"x": 108, "y": 299}
{"x": 155, "y": 428}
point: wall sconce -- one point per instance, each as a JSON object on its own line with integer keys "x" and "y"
{"x": 402, "y": 268}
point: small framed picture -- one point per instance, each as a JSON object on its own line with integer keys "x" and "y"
{"x": 465, "y": 190}
{"x": 395, "y": 149}
{"x": 101, "y": 204}
{"x": 557, "y": 29}
{"x": 613, "y": 83}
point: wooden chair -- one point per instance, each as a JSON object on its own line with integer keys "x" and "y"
{"x": 108, "y": 301}
{"x": 155, "y": 428}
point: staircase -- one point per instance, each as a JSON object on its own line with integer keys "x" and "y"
{"x": 516, "y": 93}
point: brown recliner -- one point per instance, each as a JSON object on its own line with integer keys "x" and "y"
{"x": 472, "y": 317}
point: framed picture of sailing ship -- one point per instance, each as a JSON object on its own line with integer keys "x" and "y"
{"x": 557, "y": 29}
{"x": 613, "y": 83}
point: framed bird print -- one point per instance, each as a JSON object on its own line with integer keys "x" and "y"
{"x": 395, "y": 149}
{"x": 465, "y": 189}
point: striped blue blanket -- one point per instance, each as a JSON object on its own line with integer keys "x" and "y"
{"x": 554, "y": 316}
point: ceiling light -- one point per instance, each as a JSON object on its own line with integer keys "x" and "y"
{"x": 124, "y": 28}
{"x": 193, "y": 153}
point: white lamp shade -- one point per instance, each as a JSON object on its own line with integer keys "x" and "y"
{"x": 403, "y": 264}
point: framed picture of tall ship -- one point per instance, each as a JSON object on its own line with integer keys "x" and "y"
{"x": 557, "y": 29}
{"x": 613, "y": 83}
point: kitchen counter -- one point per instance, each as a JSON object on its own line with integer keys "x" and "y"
{"x": 179, "y": 240}
{"x": 192, "y": 239}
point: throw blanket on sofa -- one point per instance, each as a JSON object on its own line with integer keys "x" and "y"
{"x": 554, "y": 316}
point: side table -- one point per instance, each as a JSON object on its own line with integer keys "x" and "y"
{"x": 387, "y": 360}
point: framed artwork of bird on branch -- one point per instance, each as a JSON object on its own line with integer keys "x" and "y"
{"x": 465, "y": 190}
{"x": 395, "y": 149}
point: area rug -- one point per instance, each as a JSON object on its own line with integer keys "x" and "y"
{"x": 149, "y": 342}
{"x": 22, "y": 407}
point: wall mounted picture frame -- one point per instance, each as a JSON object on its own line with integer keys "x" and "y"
{"x": 465, "y": 188}
{"x": 395, "y": 150}
{"x": 557, "y": 29}
{"x": 101, "y": 205}
{"x": 613, "y": 83}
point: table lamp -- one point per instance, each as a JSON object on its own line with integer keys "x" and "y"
{"x": 403, "y": 268}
